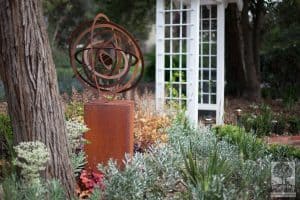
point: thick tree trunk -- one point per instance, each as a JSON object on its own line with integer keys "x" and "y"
{"x": 235, "y": 68}
{"x": 30, "y": 82}
{"x": 250, "y": 52}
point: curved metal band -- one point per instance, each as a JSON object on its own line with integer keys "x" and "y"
{"x": 121, "y": 58}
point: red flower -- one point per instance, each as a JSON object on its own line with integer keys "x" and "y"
{"x": 90, "y": 179}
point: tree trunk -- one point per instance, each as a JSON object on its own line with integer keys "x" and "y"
{"x": 29, "y": 77}
{"x": 57, "y": 27}
{"x": 257, "y": 34}
{"x": 235, "y": 68}
{"x": 248, "y": 40}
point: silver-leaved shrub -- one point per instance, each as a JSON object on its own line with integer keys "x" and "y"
{"x": 194, "y": 164}
{"x": 31, "y": 157}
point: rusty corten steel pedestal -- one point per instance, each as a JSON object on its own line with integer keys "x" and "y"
{"x": 111, "y": 131}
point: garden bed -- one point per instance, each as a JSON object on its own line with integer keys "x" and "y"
{"x": 175, "y": 161}
{"x": 247, "y": 106}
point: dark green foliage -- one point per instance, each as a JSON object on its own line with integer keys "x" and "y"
{"x": 290, "y": 96}
{"x": 264, "y": 121}
{"x": 6, "y": 136}
{"x": 150, "y": 66}
{"x": 257, "y": 147}
{"x": 248, "y": 121}
{"x": 294, "y": 125}
{"x": 279, "y": 126}
{"x": 284, "y": 151}
{"x": 260, "y": 124}
{"x": 281, "y": 52}
{"x": 136, "y": 16}
{"x": 149, "y": 75}
{"x": 64, "y": 15}
{"x": 11, "y": 188}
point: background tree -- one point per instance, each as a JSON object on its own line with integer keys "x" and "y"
{"x": 28, "y": 73}
{"x": 248, "y": 25}
{"x": 64, "y": 15}
{"x": 281, "y": 52}
{"x": 261, "y": 43}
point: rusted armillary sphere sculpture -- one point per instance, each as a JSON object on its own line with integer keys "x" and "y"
{"x": 105, "y": 57}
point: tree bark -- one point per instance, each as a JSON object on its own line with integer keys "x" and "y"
{"x": 250, "y": 38}
{"x": 28, "y": 73}
{"x": 235, "y": 67}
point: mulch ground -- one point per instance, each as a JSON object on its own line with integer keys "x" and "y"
{"x": 277, "y": 106}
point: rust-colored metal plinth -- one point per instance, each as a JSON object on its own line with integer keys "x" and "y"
{"x": 111, "y": 131}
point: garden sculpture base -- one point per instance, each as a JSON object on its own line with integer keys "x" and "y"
{"x": 111, "y": 131}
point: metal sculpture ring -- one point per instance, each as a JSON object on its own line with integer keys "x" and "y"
{"x": 105, "y": 57}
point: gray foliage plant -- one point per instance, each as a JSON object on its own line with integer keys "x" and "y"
{"x": 194, "y": 164}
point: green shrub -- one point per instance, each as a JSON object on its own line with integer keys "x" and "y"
{"x": 264, "y": 121}
{"x": 248, "y": 121}
{"x": 260, "y": 124}
{"x": 55, "y": 190}
{"x": 250, "y": 147}
{"x": 290, "y": 96}
{"x": 74, "y": 111}
{"x": 254, "y": 147}
{"x": 279, "y": 126}
{"x": 207, "y": 176}
{"x": 75, "y": 131}
{"x": 15, "y": 189}
{"x": 294, "y": 125}
{"x": 31, "y": 158}
{"x": 96, "y": 195}
{"x": 279, "y": 151}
